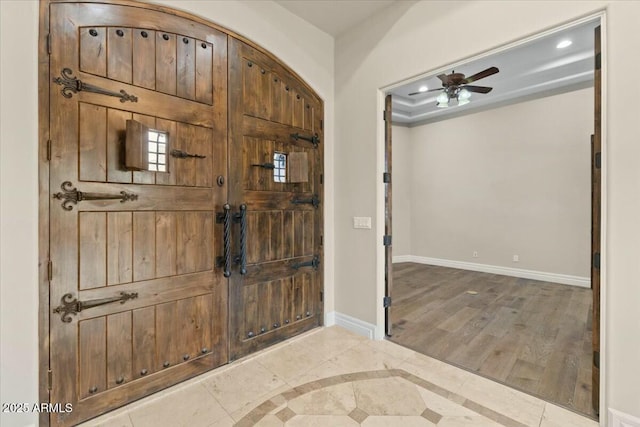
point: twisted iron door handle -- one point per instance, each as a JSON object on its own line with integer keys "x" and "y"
{"x": 242, "y": 219}
{"x": 227, "y": 240}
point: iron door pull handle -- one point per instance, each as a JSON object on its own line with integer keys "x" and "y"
{"x": 69, "y": 305}
{"x": 227, "y": 240}
{"x": 70, "y": 195}
{"x": 241, "y": 217}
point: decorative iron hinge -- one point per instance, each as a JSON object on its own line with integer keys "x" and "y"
{"x": 386, "y": 302}
{"x": 596, "y": 359}
{"x": 386, "y": 240}
{"x": 70, "y": 195}
{"x": 321, "y": 296}
{"x": 49, "y": 379}
{"x": 70, "y": 305}
{"x": 321, "y": 124}
{"x": 386, "y": 177}
{"x": 314, "y": 263}
{"x": 313, "y": 201}
{"x": 598, "y": 160}
{"x": 386, "y": 116}
{"x": 321, "y": 240}
{"x": 49, "y": 44}
{"x": 597, "y": 62}
{"x": 596, "y": 260}
{"x": 71, "y": 85}
{"x": 49, "y": 270}
{"x": 321, "y": 178}
{"x": 314, "y": 139}
{"x": 48, "y": 149}
{"x": 179, "y": 154}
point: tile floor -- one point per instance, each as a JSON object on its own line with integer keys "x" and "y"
{"x": 332, "y": 377}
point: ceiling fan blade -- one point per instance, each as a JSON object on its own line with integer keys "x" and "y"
{"x": 426, "y": 91}
{"x": 481, "y": 75}
{"x": 477, "y": 89}
{"x": 444, "y": 78}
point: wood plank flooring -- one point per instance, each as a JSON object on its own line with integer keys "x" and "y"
{"x": 531, "y": 335}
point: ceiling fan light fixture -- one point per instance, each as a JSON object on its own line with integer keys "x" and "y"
{"x": 563, "y": 44}
{"x": 443, "y": 98}
{"x": 463, "y": 101}
{"x": 464, "y": 95}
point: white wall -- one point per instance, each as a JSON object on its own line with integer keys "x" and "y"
{"x": 307, "y": 50}
{"x": 412, "y": 38}
{"x": 514, "y": 180}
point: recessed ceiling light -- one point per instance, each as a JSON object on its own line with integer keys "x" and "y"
{"x": 423, "y": 89}
{"x": 563, "y": 44}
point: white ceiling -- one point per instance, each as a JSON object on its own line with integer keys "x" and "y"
{"x": 334, "y": 16}
{"x": 528, "y": 71}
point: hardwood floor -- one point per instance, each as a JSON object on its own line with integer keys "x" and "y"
{"x": 531, "y": 335}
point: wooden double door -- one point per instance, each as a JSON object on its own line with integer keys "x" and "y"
{"x": 161, "y": 273}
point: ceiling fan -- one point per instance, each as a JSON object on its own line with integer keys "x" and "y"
{"x": 456, "y": 86}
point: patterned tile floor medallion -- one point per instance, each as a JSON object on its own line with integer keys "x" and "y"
{"x": 332, "y": 377}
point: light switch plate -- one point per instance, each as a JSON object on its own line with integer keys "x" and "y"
{"x": 362, "y": 222}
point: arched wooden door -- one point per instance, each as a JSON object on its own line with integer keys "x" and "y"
{"x": 276, "y": 157}
{"x": 136, "y": 301}
{"x": 184, "y": 202}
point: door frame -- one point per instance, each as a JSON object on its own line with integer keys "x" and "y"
{"x": 380, "y": 186}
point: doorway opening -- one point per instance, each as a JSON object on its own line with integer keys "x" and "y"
{"x": 494, "y": 174}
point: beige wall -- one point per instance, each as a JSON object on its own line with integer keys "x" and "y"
{"x": 415, "y": 37}
{"x": 507, "y": 181}
{"x": 304, "y": 48}
{"x": 402, "y": 190}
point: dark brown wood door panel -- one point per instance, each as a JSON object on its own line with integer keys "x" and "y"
{"x": 271, "y": 113}
{"x": 145, "y": 261}
{"x": 159, "y": 248}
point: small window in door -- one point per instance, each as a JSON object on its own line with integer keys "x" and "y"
{"x": 280, "y": 167}
{"x": 157, "y": 151}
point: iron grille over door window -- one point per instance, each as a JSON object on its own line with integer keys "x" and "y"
{"x": 280, "y": 169}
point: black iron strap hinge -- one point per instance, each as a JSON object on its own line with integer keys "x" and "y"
{"x": 48, "y": 149}
{"x": 386, "y": 115}
{"x": 598, "y": 160}
{"x": 386, "y": 177}
{"x": 596, "y": 260}
{"x": 48, "y": 44}
{"x": 386, "y": 302}
{"x": 597, "y": 62}
{"x": 386, "y": 240}
{"x": 49, "y": 270}
{"x": 49, "y": 379}
{"x": 596, "y": 359}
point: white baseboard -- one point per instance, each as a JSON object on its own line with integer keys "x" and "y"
{"x": 620, "y": 419}
{"x": 565, "y": 279}
{"x": 352, "y": 324}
